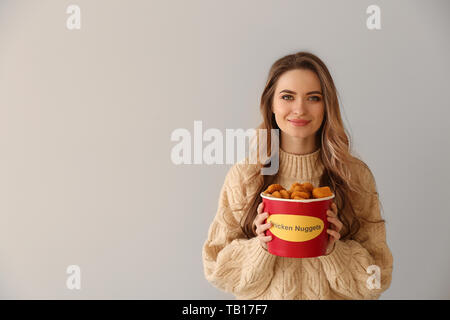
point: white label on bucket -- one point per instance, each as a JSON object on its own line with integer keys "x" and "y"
{"x": 295, "y": 228}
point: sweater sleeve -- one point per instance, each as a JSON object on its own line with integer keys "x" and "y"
{"x": 232, "y": 262}
{"x": 353, "y": 266}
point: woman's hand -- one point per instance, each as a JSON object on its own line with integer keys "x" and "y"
{"x": 336, "y": 226}
{"x": 261, "y": 227}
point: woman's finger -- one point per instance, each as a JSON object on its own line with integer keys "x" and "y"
{"x": 331, "y": 213}
{"x": 257, "y": 220}
{"x": 336, "y": 235}
{"x": 260, "y": 208}
{"x": 260, "y": 218}
{"x": 336, "y": 223}
{"x": 265, "y": 238}
{"x": 266, "y": 226}
{"x": 332, "y": 210}
{"x": 263, "y": 227}
{"x": 335, "y": 210}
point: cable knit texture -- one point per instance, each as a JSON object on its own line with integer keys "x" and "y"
{"x": 242, "y": 267}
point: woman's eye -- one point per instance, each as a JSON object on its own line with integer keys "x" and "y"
{"x": 289, "y": 97}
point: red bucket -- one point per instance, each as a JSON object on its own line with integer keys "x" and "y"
{"x": 299, "y": 227}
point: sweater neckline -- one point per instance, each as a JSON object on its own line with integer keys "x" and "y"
{"x": 301, "y": 166}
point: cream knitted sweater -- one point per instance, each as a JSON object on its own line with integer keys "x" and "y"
{"x": 242, "y": 267}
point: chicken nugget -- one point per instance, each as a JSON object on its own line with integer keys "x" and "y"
{"x": 321, "y": 192}
{"x": 276, "y": 194}
{"x": 310, "y": 196}
{"x": 295, "y": 184}
{"x": 298, "y": 198}
{"x": 305, "y": 195}
{"x": 308, "y": 187}
{"x": 284, "y": 194}
{"x": 294, "y": 194}
{"x": 300, "y": 194}
{"x": 274, "y": 187}
{"x": 298, "y": 188}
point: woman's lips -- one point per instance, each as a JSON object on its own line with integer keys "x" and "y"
{"x": 299, "y": 123}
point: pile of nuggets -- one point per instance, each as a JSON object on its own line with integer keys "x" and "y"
{"x": 298, "y": 191}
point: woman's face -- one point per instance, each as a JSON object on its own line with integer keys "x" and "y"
{"x": 298, "y": 95}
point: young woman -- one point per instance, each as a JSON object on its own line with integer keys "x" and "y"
{"x": 300, "y": 100}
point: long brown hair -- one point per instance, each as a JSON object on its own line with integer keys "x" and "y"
{"x": 335, "y": 151}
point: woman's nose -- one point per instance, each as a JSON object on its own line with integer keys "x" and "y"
{"x": 299, "y": 106}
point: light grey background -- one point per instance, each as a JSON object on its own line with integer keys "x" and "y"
{"x": 86, "y": 116}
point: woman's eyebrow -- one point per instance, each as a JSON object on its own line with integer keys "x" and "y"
{"x": 293, "y": 92}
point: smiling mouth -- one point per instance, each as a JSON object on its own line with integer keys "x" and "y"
{"x": 299, "y": 122}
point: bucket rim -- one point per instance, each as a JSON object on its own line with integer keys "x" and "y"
{"x": 295, "y": 200}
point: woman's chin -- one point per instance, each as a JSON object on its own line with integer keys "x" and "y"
{"x": 296, "y": 134}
